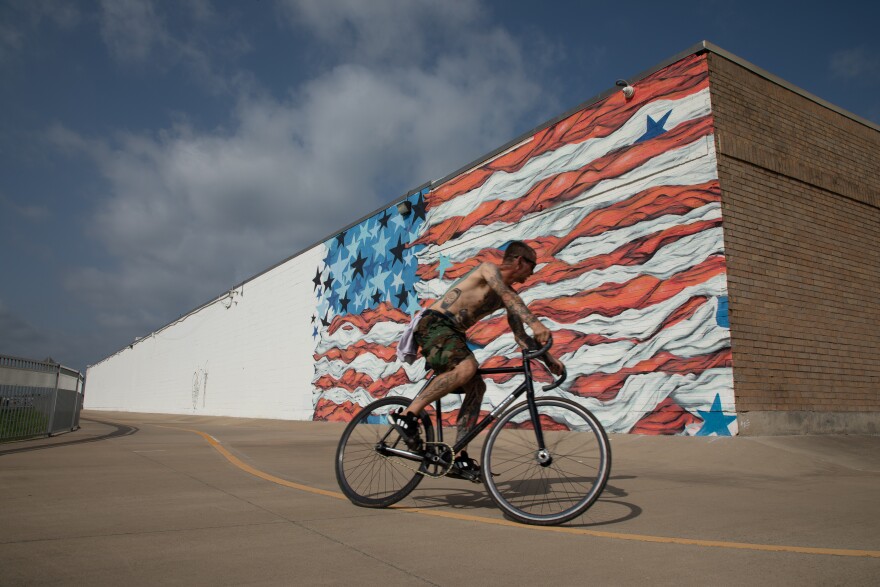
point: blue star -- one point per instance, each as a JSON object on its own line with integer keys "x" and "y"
{"x": 714, "y": 421}
{"x": 655, "y": 128}
{"x": 409, "y": 257}
{"x": 339, "y": 266}
{"x": 445, "y": 264}
{"x": 370, "y": 268}
{"x": 353, "y": 247}
{"x": 334, "y": 300}
{"x": 398, "y": 281}
{"x": 413, "y": 307}
{"x": 379, "y": 279}
{"x": 343, "y": 281}
{"x": 381, "y": 245}
{"x": 361, "y": 299}
{"x": 366, "y": 232}
{"x": 398, "y": 220}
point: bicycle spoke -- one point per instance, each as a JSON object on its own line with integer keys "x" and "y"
{"x": 366, "y": 475}
{"x": 559, "y": 489}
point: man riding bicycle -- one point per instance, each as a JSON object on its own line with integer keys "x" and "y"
{"x": 440, "y": 334}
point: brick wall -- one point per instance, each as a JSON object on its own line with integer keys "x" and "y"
{"x": 801, "y": 205}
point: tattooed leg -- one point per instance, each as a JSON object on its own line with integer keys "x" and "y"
{"x": 443, "y": 384}
{"x": 469, "y": 413}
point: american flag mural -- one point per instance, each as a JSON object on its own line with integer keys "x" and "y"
{"x": 622, "y": 203}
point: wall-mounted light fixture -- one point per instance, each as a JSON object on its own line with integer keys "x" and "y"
{"x": 628, "y": 90}
{"x": 404, "y": 208}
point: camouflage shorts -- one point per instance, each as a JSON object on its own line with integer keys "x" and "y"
{"x": 443, "y": 346}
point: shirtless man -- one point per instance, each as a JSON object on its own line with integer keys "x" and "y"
{"x": 440, "y": 334}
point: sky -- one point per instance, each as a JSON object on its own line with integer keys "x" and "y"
{"x": 156, "y": 153}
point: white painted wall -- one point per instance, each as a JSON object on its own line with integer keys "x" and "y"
{"x": 252, "y": 359}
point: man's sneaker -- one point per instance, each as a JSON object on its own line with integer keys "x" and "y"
{"x": 408, "y": 427}
{"x": 465, "y": 467}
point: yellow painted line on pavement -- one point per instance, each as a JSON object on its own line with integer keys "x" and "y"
{"x": 256, "y": 472}
{"x": 556, "y": 529}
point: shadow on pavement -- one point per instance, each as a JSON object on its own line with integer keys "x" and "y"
{"x": 119, "y": 431}
{"x": 602, "y": 513}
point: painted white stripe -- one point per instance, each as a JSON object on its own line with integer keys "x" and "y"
{"x": 641, "y": 394}
{"x": 696, "y": 336}
{"x": 383, "y": 333}
{"x": 674, "y": 258}
{"x": 635, "y": 323}
{"x": 687, "y": 165}
{"x": 506, "y": 186}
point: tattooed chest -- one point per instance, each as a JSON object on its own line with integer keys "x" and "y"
{"x": 468, "y": 314}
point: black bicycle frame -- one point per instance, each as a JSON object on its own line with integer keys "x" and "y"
{"x": 526, "y": 386}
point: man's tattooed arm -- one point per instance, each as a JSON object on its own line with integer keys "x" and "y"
{"x": 511, "y": 301}
{"x": 519, "y": 333}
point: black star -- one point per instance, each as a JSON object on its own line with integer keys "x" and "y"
{"x": 313, "y": 318}
{"x": 317, "y": 279}
{"x": 358, "y": 265}
{"x": 341, "y": 238}
{"x": 419, "y": 209}
{"x": 402, "y": 297}
{"x": 325, "y": 320}
{"x": 343, "y": 303}
{"x": 398, "y": 250}
{"x": 329, "y": 282}
{"x": 384, "y": 220}
{"x": 377, "y": 297}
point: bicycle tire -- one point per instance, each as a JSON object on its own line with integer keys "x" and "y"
{"x": 366, "y": 477}
{"x": 560, "y": 490}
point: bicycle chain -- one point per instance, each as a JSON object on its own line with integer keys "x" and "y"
{"x": 404, "y": 462}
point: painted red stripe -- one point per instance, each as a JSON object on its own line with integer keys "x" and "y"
{"x": 353, "y": 380}
{"x": 569, "y": 341}
{"x": 354, "y": 350}
{"x": 385, "y": 312}
{"x": 605, "y": 386}
{"x": 667, "y": 418}
{"x": 609, "y": 299}
{"x": 646, "y": 205}
{"x": 680, "y": 79}
{"x": 568, "y": 185}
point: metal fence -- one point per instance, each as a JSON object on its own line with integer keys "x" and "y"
{"x": 38, "y": 398}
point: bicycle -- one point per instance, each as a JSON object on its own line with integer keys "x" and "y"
{"x": 545, "y": 461}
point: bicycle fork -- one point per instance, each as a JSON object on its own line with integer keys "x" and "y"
{"x": 542, "y": 455}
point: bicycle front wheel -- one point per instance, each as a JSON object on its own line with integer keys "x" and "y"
{"x": 367, "y": 472}
{"x": 552, "y": 486}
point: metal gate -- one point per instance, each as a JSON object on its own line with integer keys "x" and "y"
{"x": 38, "y": 398}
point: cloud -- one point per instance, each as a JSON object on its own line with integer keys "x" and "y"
{"x": 30, "y": 213}
{"x": 854, "y": 63}
{"x": 22, "y": 20}
{"x": 131, "y": 29}
{"x": 19, "y": 338}
{"x": 187, "y": 214}
{"x": 138, "y": 32}
{"x": 390, "y": 30}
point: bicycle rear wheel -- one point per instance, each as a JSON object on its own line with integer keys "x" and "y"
{"x": 367, "y": 474}
{"x": 551, "y": 488}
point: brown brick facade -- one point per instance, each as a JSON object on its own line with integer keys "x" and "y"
{"x": 801, "y": 206}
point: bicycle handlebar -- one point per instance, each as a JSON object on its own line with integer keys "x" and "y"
{"x": 537, "y": 353}
{"x": 529, "y": 355}
{"x": 557, "y": 382}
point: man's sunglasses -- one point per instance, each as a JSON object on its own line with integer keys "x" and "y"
{"x": 529, "y": 261}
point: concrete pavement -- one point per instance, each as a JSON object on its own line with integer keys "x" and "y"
{"x": 145, "y": 499}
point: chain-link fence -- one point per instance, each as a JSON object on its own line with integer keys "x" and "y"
{"x": 38, "y": 398}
